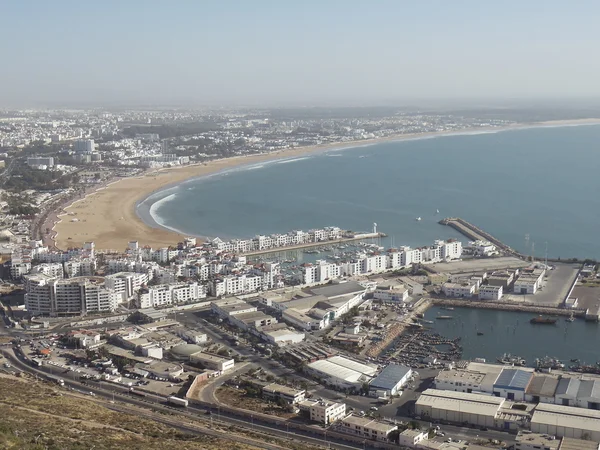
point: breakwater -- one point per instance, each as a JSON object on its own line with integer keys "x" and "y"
{"x": 473, "y": 232}
{"x": 508, "y": 306}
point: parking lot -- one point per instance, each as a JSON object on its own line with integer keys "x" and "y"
{"x": 555, "y": 287}
{"x": 480, "y": 264}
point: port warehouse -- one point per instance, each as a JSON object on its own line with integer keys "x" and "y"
{"x": 523, "y": 384}
{"x": 495, "y": 412}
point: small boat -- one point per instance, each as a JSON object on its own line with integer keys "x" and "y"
{"x": 479, "y": 333}
{"x": 437, "y": 211}
{"x": 543, "y": 320}
{"x": 418, "y": 219}
{"x": 447, "y": 308}
{"x": 444, "y": 317}
{"x": 571, "y": 318}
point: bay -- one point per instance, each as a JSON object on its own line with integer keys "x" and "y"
{"x": 540, "y": 181}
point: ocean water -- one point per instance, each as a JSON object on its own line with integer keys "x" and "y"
{"x": 544, "y": 182}
{"x": 506, "y": 331}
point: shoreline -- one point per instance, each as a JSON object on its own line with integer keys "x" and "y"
{"x": 110, "y": 216}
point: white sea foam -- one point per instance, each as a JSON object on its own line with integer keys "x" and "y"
{"x": 160, "y": 220}
{"x": 285, "y": 161}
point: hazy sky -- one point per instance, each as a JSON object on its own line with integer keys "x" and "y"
{"x": 295, "y": 51}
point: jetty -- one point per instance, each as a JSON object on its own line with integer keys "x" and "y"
{"x": 477, "y": 234}
{"x": 509, "y": 306}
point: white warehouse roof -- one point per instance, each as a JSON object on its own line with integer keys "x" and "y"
{"x": 354, "y": 365}
{"x": 566, "y": 417}
{"x": 342, "y": 368}
{"x": 462, "y": 402}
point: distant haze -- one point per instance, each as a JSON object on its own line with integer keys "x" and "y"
{"x": 226, "y": 52}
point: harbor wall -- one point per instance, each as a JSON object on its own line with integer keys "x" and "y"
{"x": 508, "y": 306}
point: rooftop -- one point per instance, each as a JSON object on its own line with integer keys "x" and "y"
{"x": 389, "y": 377}
{"x": 536, "y": 439}
{"x": 461, "y": 401}
{"x": 279, "y": 388}
{"x": 513, "y": 379}
{"x": 567, "y": 417}
{"x": 568, "y": 443}
{"x": 542, "y": 385}
{"x": 338, "y": 290}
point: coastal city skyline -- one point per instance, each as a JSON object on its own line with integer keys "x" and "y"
{"x": 303, "y": 53}
{"x": 299, "y": 225}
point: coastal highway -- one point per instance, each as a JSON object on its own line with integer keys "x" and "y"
{"x": 157, "y": 403}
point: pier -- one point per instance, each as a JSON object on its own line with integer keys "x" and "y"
{"x": 356, "y": 237}
{"x": 509, "y": 306}
{"x": 477, "y": 234}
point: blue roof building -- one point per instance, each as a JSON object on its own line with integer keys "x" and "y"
{"x": 512, "y": 383}
{"x": 390, "y": 380}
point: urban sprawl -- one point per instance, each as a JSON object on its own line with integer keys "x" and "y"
{"x": 336, "y": 348}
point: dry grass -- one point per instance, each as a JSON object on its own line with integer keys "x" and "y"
{"x": 36, "y": 416}
{"x": 239, "y": 399}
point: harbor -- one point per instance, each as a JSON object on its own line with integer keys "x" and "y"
{"x": 491, "y": 333}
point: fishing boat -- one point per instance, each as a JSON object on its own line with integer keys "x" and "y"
{"x": 479, "y": 333}
{"x": 511, "y": 360}
{"x": 543, "y": 320}
{"x": 549, "y": 363}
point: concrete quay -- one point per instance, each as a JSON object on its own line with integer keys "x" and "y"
{"x": 508, "y": 306}
{"x": 357, "y": 237}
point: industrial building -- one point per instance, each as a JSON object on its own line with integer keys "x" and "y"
{"x": 390, "y": 380}
{"x": 487, "y": 292}
{"x": 458, "y": 407}
{"x": 341, "y": 372}
{"x": 541, "y": 388}
{"x": 512, "y": 383}
{"x": 566, "y": 421}
{"x": 367, "y": 428}
{"x": 277, "y": 392}
{"x": 475, "y": 378}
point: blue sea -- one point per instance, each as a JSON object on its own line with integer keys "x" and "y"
{"x": 541, "y": 182}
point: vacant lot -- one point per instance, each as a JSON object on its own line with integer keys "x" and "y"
{"x": 36, "y": 416}
{"x": 239, "y": 398}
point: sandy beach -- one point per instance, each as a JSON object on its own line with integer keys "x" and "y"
{"x": 108, "y": 216}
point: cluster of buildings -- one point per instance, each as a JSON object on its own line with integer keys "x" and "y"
{"x": 246, "y": 317}
{"x": 394, "y": 259}
{"x": 350, "y": 375}
{"x": 511, "y": 398}
{"x": 496, "y": 284}
{"x": 296, "y": 237}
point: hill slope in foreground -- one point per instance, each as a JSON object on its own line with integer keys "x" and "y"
{"x": 37, "y": 416}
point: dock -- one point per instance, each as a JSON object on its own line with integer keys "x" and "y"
{"x": 356, "y": 237}
{"x": 477, "y": 234}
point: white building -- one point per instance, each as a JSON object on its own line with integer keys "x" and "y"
{"x": 276, "y": 392}
{"x": 213, "y": 362}
{"x": 170, "y": 294}
{"x": 457, "y": 290}
{"x": 47, "y": 161}
{"x": 410, "y": 438}
{"x": 84, "y": 146}
{"x": 367, "y": 428}
{"x": 51, "y": 269}
{"x": 51, "y": 296}
{"x": 127, "y": 284}
{"x": 487, "y": 292}
{"x": 80, "y": 267}
{"x": 323, "y": 412}
{"x": 529, "y": 282}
